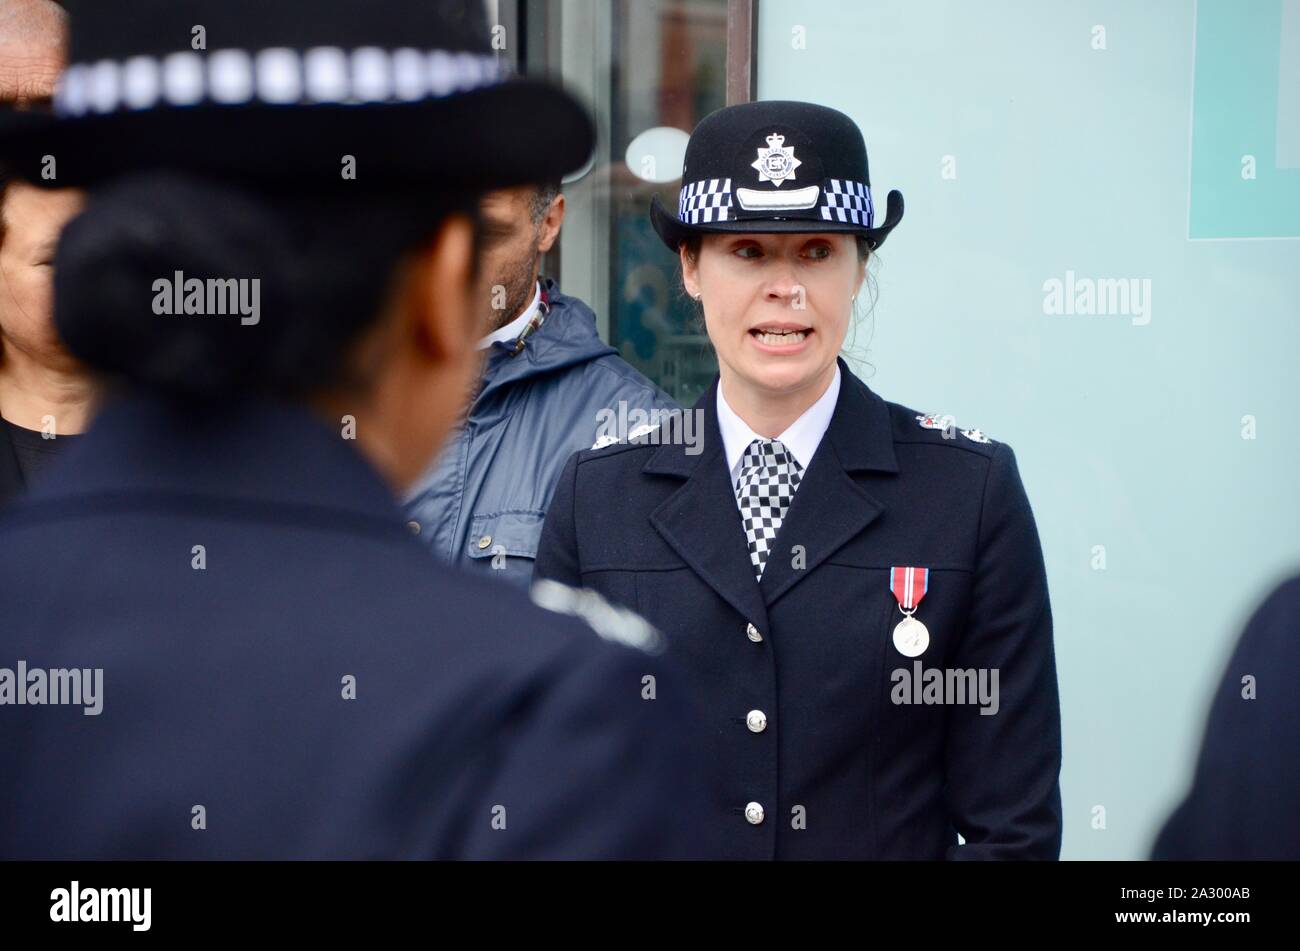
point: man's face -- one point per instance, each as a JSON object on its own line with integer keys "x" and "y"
{"x": 32, "y": 218}
{"x": 511, "y": 246}
{"x": 32, "y": 36}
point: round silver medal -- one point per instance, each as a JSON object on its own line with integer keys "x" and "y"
{"x": 911, "y": 637}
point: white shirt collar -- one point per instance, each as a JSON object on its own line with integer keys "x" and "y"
{"x": 802, "y": 437}
{"x": 513, "y": 329}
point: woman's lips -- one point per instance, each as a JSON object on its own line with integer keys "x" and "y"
{"x": 780, "y": 340}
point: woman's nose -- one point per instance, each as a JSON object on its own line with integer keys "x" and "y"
{"x": 782, "y": 283}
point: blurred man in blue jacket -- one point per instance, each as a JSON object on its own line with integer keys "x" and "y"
{"x": 548, "y": 383}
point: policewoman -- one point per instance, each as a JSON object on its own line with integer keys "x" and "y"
{"x": 857, "y": 588}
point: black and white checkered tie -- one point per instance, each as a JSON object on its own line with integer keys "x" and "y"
{"x": 768, "y": 478}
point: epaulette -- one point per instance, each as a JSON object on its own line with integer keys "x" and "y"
{"x": 610, "y": 440}
{"x": 944, "y": 421}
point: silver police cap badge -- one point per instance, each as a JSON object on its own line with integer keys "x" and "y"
{"x": 776, "y": 163}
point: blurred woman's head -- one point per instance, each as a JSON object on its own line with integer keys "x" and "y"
{"x": 777, "y": 306}
{"x": 364, "y": 303}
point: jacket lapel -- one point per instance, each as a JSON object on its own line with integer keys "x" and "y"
{"x": 700, "y": 520}
{"x": 830, "y": 508}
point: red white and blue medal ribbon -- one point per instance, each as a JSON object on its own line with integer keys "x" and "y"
{"x": 909, "y": 586}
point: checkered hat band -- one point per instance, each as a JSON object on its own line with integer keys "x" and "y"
{"x": 843, "y": 200}
{"x": 847, "y": 201}
{"x": 704, "y": 202}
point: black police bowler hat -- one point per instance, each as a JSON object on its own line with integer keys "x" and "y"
{"x": 775, "y": 166}
{"x": 283, "y": 91}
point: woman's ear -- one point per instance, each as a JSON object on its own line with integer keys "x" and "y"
{"x": 690, "y": 272}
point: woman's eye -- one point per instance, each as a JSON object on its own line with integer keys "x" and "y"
{"x": 744, "y": 250}
{"x": 818, "y": 251}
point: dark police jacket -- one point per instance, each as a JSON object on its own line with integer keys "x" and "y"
{"x": 840, "y": 770}
{"x": 235, "y": 578}
{"x": 1245, "y": 797}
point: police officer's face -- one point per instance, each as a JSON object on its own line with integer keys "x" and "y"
{"x": 32, "y": 219}
{"x": 777, "y": 306}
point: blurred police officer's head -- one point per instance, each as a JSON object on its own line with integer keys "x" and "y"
{"x": 362, "y": 307}
{"x": 324, "y": 174}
